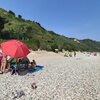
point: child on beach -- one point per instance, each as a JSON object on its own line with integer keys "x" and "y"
{"x": 32, "y": 64}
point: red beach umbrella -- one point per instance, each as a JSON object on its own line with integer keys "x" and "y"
{"x": 15, "y": 49}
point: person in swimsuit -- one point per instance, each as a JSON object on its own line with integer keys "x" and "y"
{"x": 3, "y": 64}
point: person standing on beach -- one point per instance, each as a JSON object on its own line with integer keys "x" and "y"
{"x": 3, "y": 64}
{"x": 74, "y": 53}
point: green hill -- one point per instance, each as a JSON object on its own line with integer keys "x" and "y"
{"x": 37, "y": 37}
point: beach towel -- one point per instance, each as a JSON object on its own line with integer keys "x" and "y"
{"x": 38, "y": 68}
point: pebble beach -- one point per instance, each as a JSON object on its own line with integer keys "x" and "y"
{"x": 62, "y": 78}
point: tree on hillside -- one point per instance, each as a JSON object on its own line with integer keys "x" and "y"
{"x": 40, "y": 25}
{"x": 2, "y": 34}
{"x": 2, "y": 21}
{"x": 11, "y": 12}
{"x": 54, "y": 46}
{"x": 19, "y": 16}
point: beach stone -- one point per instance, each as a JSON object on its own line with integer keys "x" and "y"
{"x": 20, "y": 94}
{"x": 62, "y": 78}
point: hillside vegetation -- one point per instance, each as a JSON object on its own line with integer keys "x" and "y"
{"x": 37, "y": 37}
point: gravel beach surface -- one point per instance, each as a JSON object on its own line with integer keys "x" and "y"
{"x": 62, "y": 78}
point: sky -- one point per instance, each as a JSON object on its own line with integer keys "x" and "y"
{"x": 72, "y": 18}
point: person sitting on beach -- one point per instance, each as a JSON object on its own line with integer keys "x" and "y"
{"x": 70, "y": 54}
{"x": 65, "y": 55}
{"x": 21, "y": 66}
{"x": 3, "y": 64}
{"x": 24, "y": 64}
{"x": 32, "y": 65}
{"x": 25, "y": 61}
{"x": 10, "y": 62}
